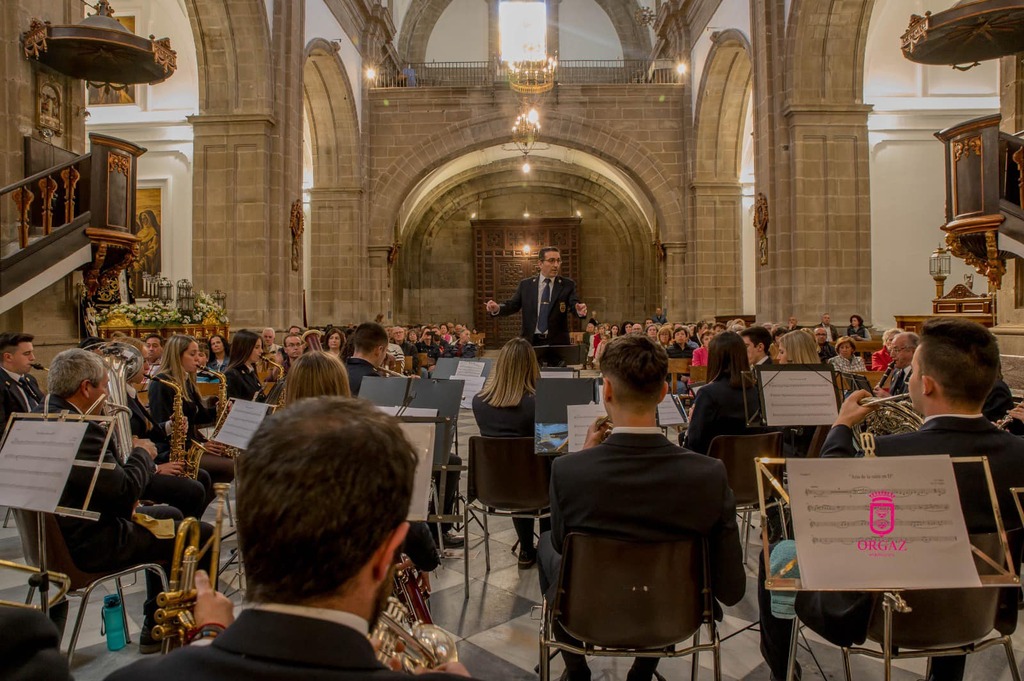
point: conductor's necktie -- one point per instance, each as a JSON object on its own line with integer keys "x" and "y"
{"x": 545, "y": 307}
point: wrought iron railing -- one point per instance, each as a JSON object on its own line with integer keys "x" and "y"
{"x": 33, "y": 208}
{"x": 570, "y": 72}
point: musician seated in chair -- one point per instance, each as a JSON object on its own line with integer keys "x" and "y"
{"x": 78, "y": 379}
{"x": 635, "y": 484}
{"x": 954, "y": 368}
{"x": 317, "y": 574}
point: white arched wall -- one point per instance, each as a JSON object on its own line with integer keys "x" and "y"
{"x": 586, "y": 32}
{"x": 911, "y": 102}
{"x": 466, "y": 19}
{"x": 321, "y": 23}
{"x": 158, "y": 121}
{"x": 731, "y": 14}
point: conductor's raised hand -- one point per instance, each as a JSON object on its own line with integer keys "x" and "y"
{"x": 493, "y": 307}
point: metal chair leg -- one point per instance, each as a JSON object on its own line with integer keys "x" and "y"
{"x": 231, "y": 516}
{"x": 747, "y": 522}
{"x": 465, "y": 551}
{"x": 545, "y": 658}
{"x": 7, "y": 518}
{"x": 124, "y": 610}
{"x": 846, "y": 664}
{"x": 487, "y": 543}
{"x": 794, "y": 637}
{"x": 1011, "y": 658}
{"x": 695, "y": 663}
{"x": 717, "y": 653}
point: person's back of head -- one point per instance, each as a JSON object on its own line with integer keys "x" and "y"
{"x": 800, "y": 347}
{"x": 961, "y": 356}
{"x": 636, "y": 366}
{"x": 727, "y": 358}
{"x": 368, "y": 337}
{"x": 316, "y": 374}
{"x": 313, "y": 507}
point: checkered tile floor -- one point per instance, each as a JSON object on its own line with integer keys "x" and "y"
{"x": 497, "y": 633}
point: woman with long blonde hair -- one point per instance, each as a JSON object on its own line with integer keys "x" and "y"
{"x": 797, "y": 347}
{"x": 179, "y": 366}
{"x": 316, "y": 374}
{"x": 504, "y": 408}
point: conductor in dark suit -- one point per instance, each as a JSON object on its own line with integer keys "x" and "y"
{"x": 637, "y": 485}
{"x": 954, "y": 368}
{"x": 546, "y": 300}
{"x": 19, "y": 391}
{"x": 316, "y": 574}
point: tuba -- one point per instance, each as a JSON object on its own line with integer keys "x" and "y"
{"x": 175, "y": 617}
{"x": 123, "y": 361}
{"x": 179, "y": 434}
{"x": 426, "y": 646}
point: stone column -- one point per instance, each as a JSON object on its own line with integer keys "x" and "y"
{"x": 377, "y": 294}
{"x": 677, "y": 297}
{"x": 493, "y": 35}
{"x": 1010, "y": 298}
{"x": 552, "y": 36}
{"x": 335, "y": 247}
{"x": 718, "y": 218}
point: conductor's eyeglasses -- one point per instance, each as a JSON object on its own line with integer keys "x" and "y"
{"x": 552, "y": 260}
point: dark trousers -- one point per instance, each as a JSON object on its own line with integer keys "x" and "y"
{"x": 549, "y": 562}
{"x": 220, "y": 468}
{"x": 524, "y": 530}
{"x": 184, "y": 494}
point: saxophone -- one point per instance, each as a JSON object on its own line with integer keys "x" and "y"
{"x": 179, "y": 434}
{"x": 222, "y": 409}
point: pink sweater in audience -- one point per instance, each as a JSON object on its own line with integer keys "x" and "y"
{"x": 700, "y": 357}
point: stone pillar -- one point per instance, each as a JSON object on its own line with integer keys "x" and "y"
{"x": 552, "y": 36}
{"x": 1010, "y": 298}
{"x": 377, "y": 295}
{"x": 677, "y": 298}
{"x": 335, "y": 261}
{"x": 493, "y": 36}
{"x": 718, "y": 218}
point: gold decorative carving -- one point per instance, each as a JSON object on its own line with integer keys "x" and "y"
{"x": 915, "y": 32}
{"x": 1018, "y": 158}
{"x": 163, "y": 55}
{"x": 70, "y": 176}
{"x": 49, "y": 105}
{"x": 297, "y": 225}
{"x": 393, "y": 250}
{"x": 991, "y": 264}
{"x": 23, "y": 199}
{"x": 117, "y": 163}
{"x": 34, "y": 39}
{"x": 962, "y": 292}
{"x": 113, "y": 252}
{"x": 964, "y": 147}
{"x": 47, "y": 189}
{"x": 761, "y": 220}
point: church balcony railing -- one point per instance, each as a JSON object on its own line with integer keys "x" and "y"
{"x": 570, "y": 72}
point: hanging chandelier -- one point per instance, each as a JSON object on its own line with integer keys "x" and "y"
{"x": 532, "y": 77}
{"x": 525, "y": 131}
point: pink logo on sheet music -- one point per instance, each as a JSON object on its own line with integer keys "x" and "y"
{"x": 882, "y": 514}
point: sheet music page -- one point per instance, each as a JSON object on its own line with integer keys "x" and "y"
{"x": 799, "y": 398}
{"x": 669, "y": 413}
{"x": 409, "y": 411}
{"x": 241, "y": 423}
{"x": 581, "y": 416}
{"x": 421, "y": 435}
{"x": 883, "y": 523}
{"x": 471, "y": 386}
{"x": 469, "y": 369}
{"x": 35, "y": 461}
{"x": 557, "y": 374}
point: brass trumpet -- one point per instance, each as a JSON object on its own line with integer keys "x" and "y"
{"x": 426, "y": 646}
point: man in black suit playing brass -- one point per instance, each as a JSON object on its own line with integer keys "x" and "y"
{"x": 546, "y": 301}
{"x": 635, "y": 484}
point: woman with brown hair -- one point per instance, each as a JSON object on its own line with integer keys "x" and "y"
{"x": 719, "y": 407}
{"x": 316, "y": 374}
{"x": 797, "y": 347}
{"x": 335, "y": 342}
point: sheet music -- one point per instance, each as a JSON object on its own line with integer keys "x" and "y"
{"x": 421, "y": 435}
{"x": 581, "y": 416}
{"x": 879, "y": 523}
{"x": 35, "y": 461}
{"x": 669, "y": 413}
{"x": 472, "y": 385}
{"x": 241, "y": 423}
{"x": 409, "y": 411}
{"x": 469, "y": 369}
{"x": 799, "y": 398}
{"x": 557, "y": 374}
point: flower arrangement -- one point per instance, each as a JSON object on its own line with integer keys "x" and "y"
{"x": 158, "y": 314}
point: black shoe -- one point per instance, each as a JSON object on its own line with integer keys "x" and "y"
{"x": 527, "y": 558}
{"x": 452, "y": 540}
{"x": 147, "y": 644}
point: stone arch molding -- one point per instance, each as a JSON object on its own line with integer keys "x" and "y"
{"x": 826, "y": 40}
{"x": 233, "y": 50}
{"x": 722, "y": 104}
{"x": 398, "y": 181}
{"x": 332, "y": 116}
{"x": 422, "y": 17}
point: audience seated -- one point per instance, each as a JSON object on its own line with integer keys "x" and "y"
{"x": 903, "y": 347}
{"x": 856, "y": 329}
{"x": 845, "y": 359}
{"x": 700, "y": 355}
{"x": 825, "y": 349}
{"x": 880, "y": 359}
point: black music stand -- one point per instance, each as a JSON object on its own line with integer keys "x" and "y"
{"x": 554, "y": 395}
{"x": 447, "y": 367}
{"x": 559, "y": 355}
{"x": 816, "y": 377}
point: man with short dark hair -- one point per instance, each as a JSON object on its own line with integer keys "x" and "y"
{"x": 317, "y": 574}
{"x": 659, "y": 316}
{"x": 633, "y": 483}
{"x": 758, "y": 340}
{"x": 831, "y": 332}
{"x": 954, "y": 368}
{"x": 369, "y": 344}
{"x": 546, "y": 301}
{"x": 294, "y": 346}
{"x": 152, "y": 355}
{"x": 825, "y": 349}
{"x": 19, "y": 391}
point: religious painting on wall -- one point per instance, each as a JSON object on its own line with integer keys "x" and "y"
{"x": 103, "y": 94}
{"x": 147, "y": 227}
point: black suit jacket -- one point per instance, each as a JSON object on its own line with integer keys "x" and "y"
{"x": 563, "y": 303}
{"x": 270, "y": 646}
{"x": 517, "y": 421}
{"x": 639, "y": 486}
{"x": 244, "y": 384}
{"x": 11, "y": 399}
{"x": 718, "y": 410}
{"x": 358, "y": 369}
{"x": 111, "y": 541}
{"x": 161, "y": 401}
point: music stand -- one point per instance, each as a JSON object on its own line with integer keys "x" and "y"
{"x": 794, "y": 395}
{"x": 559, "y": 355}
{"x": 551, "y": 417}
{"x": 43, "y": 577}
{"x": 448, "y": 367}
{"x": 767, "y": 469}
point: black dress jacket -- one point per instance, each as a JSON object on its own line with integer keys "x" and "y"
{"x": 161, "y": 401}
{"x": 244, "y": 384}
{"x": 358, "y": 369}
{"x": 270, "y": 646}
{"x": 563, "y": 303}
{"x": 11, "y": 398}
{"x": 718, "y": 409}
{"x": 517, "y": 421}
{"x": 643, "y": 487}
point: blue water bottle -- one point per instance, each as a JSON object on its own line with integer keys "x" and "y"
{"x": 113, "y": 622}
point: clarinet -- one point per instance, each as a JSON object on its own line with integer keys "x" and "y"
{"x": 886, "y": 374}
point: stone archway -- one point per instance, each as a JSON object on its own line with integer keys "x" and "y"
{"x": 825, "y": 51}
{"x": 423, "y": 15}
{"x": 335, "y": 200}
{"x": 722, "y": 106}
